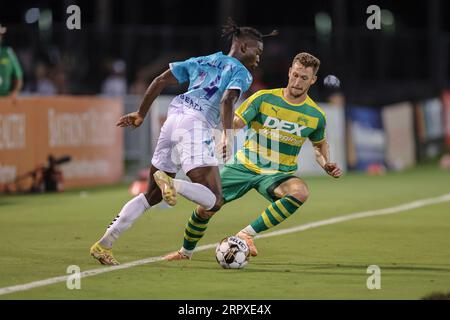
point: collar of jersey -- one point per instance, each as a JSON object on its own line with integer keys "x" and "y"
{"x": 233, "y": 58}
{"x": 281, "y": 95}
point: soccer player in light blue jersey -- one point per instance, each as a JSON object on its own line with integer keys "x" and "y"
{"x": 216, "y": 82}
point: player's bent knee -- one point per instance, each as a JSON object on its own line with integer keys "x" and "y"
{"x": 216, "y": 207}
{"x": 300, "y": 196}
{"x": 204, "y": 214}
{"x": 219, "y": 202}
{"x": 301, "y": 193}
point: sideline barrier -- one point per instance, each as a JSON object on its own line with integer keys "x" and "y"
{"x": 398, "y": 123}
{"x": 81, "y": 127}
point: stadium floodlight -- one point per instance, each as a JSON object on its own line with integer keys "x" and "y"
{"x": 32, "y": 15}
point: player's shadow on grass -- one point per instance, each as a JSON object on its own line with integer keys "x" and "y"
{"x": 254, "y": 267}
{"x": 414, "y": 268}
{"x": 314, "y": 268}
{"x": 288, "y": 267}
{"x": 393, "y": 267}
{"x": 364, "y": 266}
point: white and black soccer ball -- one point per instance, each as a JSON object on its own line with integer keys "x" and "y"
{"x": 331, "y": 81}
{"x": 232, "y": 253}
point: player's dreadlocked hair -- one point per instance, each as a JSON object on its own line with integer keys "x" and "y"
{"x": 231, "y": 30}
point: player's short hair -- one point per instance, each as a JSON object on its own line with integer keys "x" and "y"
{"x": 307, "y": 60}
{"x": 232, "y": 31}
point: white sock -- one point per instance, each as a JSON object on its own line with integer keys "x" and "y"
{"x": 249, "y": 230}
{"x": 132, "y": 210}
{"x": 195, "y": 192}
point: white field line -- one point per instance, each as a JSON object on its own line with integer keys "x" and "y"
{"x": 352, "y": 216}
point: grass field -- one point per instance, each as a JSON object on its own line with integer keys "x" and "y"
{"x": 41, "y": 235}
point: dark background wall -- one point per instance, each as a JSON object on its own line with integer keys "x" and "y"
{"x": 406, "y": 59}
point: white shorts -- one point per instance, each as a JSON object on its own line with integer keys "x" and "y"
{"x": 185, "y": 142}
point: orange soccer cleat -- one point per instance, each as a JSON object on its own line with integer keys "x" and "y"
{"x": 177, "y": 255}
{"x": 249, "y": 240}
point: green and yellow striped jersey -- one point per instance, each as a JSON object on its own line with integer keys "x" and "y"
{"x": 277, "y": 131}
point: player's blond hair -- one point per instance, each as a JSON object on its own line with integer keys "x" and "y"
{"x": 307, "y": 60}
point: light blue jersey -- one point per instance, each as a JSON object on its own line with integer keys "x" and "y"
{"x": 209, "y": 77}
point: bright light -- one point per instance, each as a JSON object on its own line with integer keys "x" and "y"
{"x": 387, "y": 22}
{"x": 323, "y": 23}
{"x": 387, "y": 18}
{"x": 45, "y": 20}
{"x": 32, "y": 15}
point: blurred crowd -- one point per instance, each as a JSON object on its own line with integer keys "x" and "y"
{"x": 52, "y": 70}
{"x": 45, "y": 78}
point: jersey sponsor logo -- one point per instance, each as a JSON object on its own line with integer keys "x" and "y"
{"x": 4, "y": 61}
{"x": 275, "y": 135}
{"x": 272, "y": 110}
{"x": 188, "y": 102}
{"x": 284, "y": 125}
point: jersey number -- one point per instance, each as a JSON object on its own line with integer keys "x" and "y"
{"x": 212, "y": 88}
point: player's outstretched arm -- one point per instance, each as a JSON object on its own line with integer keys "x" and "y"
{"x": 153, "y": 91}
{"x": 322, "y": 151}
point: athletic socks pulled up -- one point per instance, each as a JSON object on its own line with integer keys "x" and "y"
{"x": 132, "y": 210}
{"x": 194, "y": 231}
{"x": 275, "y": 213}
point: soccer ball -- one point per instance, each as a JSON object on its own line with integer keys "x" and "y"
{"x": 232, "y": 253}
{"x": 331, "y": 81}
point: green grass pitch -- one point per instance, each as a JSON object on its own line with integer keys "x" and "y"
{"x": 41, "y": 235}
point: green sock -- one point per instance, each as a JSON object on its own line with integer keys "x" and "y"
{"x": 276, "y": 213}
{"x": 195, "y": 229}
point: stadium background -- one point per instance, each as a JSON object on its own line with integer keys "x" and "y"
{"x": 391, "y": 115}
{"x": 129, "y": 43}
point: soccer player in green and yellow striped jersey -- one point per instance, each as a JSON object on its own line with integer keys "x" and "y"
{"x": 279, "y": 121}
{"x": 11, "y": 75}
{"x": 278, "y": 129}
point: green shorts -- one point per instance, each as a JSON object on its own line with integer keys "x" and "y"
{"x": 237, "y": 180}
